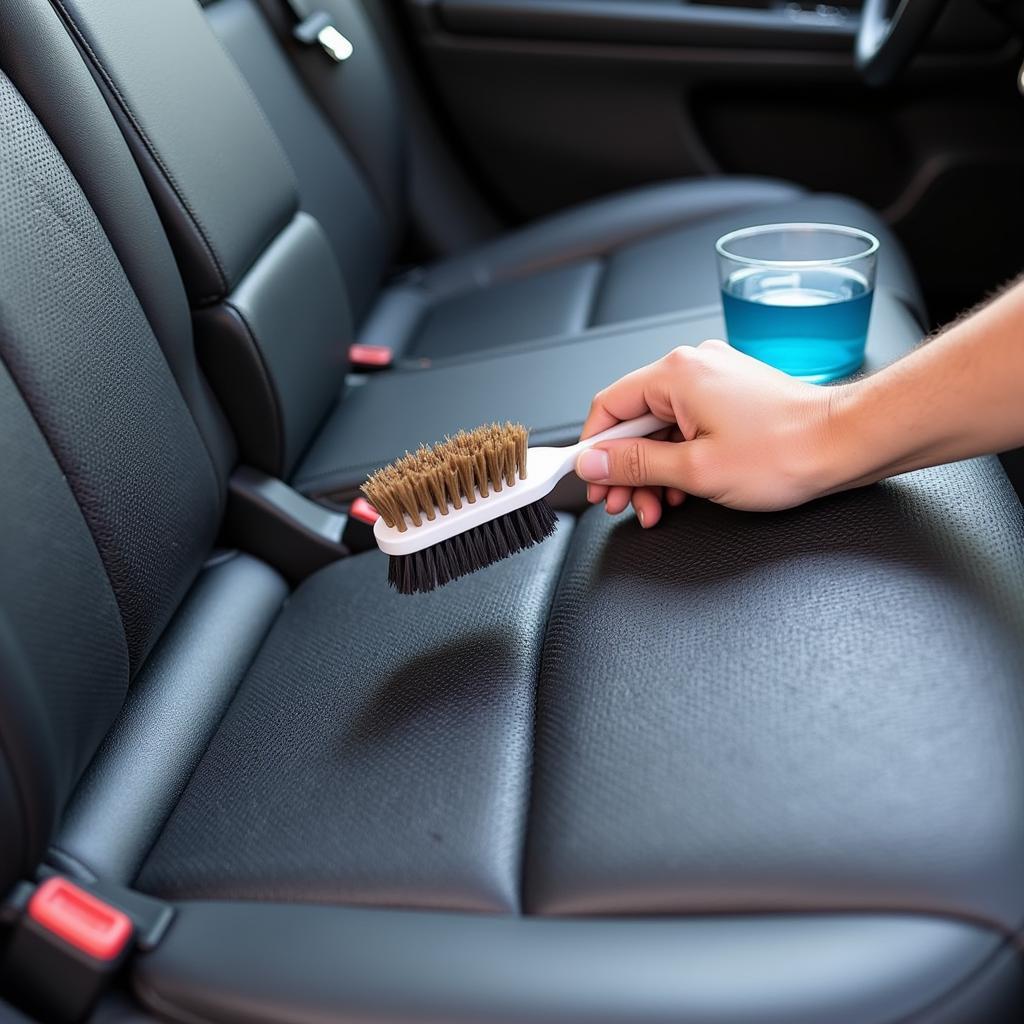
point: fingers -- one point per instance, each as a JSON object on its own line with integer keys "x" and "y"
{"x": 647, "y": 505}
{"x": 617, "y": 500}
{"x": 674, "y": 496}
{"x": 638, "y": 462}
{"x": 596, "y": 493}
{"x": 642, "y": 391}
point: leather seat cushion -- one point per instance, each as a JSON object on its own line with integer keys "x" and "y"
{"x": 639, "y": 254}
{"x": 378, "y": 750}
{"x": 815, "y": 710}
{"x": 678, "y": 269}
{"x": 812, "y": 711}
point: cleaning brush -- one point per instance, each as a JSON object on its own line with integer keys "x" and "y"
{"x": 471, "y": 500}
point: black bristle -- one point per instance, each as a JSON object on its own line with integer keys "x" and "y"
{"x": 464, "y": 553}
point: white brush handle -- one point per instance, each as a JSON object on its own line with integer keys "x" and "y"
{"x": 544, "y": 468}
{"x": 640, "y": 427}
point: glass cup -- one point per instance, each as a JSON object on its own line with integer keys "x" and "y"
{"x": 798, "y": 296}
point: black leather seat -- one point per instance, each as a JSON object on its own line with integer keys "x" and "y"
{"x": 744, "y": 768}
{"x": 285, "y": 239}
{"x": 591, "y": 266}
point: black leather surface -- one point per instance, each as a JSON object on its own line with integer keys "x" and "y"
{"x": 637, "y": 284}
{"x": 651, "y": 252}
{"x": 319, "y": 963}
{"x": 360, "y": 97}
{"x": 548, "y": 386}
{"x": 197, "y": 135}
{"x": 597, "y": 228}
{"x": 331, "y": 186}
{"x": 542, "y": 305}
{"x": 173, "y": 709}
{"x": 48, "y": 70}
{"x": 379, "y": 749}
{"x": 993, "y": 994}
{"x": 27, "y": 785}
{"x": 63, "y": 666}
{"x": 813, "y": 710}
{"x": 276, "y": 348}
{"x": 394, "y": 318}
{"x": 84, "y": 357}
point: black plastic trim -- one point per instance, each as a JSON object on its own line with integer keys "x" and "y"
{"x": 648, "y": 21}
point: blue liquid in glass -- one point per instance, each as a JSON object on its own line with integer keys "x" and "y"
{"x": 810, "y": 323}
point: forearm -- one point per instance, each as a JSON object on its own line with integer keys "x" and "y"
{"x": 959, "y": 395}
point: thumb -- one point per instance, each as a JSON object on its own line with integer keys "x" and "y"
{"x": 637, "y": 462}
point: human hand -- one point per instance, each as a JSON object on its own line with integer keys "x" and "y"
{"x": 747, "y": 435}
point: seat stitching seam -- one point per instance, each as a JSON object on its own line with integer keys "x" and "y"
{"x": 528, "y": 810}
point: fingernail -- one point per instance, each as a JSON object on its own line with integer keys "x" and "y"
{"x": 593, "y": 465}
{"x": 640, "y": 516}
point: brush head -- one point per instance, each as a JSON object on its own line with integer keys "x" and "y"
{"x": 431, "y": 483}
{"x": 433, "y": 567}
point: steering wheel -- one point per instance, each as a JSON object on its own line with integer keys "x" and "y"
{"x": 890, "y": 33}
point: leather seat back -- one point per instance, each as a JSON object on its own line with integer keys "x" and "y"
{"x": 272, "y": 315}
{"x": 112, "y": 451}
{"x": 343, "y": 126}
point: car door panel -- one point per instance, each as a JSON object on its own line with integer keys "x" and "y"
{"x": 553, "y": 102}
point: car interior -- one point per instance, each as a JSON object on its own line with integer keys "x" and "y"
{"x": 737, "y": 769}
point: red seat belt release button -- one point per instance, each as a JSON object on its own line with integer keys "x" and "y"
{"x": 375, "y": 356}
{"x": 80, "y": 919}
{"x": 362, "y": 510}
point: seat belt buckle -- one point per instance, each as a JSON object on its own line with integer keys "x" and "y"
{"x": 366, "y": 358}
{"x": 362, "y": 510}
{"x": 66, "y": 947}
{"x": 358, "y": 533}
{"x": 317, "y": 28}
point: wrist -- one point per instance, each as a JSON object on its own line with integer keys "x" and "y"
{"x": 843, "y": 456}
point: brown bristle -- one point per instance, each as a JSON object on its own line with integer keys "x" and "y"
{"x": 444, "y": 476}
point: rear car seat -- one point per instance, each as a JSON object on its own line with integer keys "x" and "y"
{"x": 744, "y": 768}
{"x": 599, "y": 264}
{"x": 283, "y": 244}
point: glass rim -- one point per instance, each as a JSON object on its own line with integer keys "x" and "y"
{"x": 869, "y": 239}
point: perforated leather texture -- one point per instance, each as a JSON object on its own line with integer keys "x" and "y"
{"x": 37, "y": 52}
{"x": 379, "y": 750}
{"x": 83, "y": 356}
{"x": 814, "y": 710}
{"x": 64, "y": 668}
